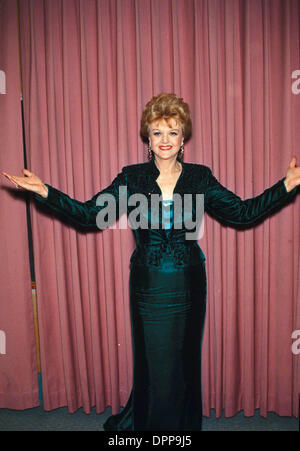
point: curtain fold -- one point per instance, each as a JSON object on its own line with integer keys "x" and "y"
{"x": 18, "y": 365}
{"x": 89, "y": 68}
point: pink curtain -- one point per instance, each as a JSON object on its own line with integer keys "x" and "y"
{"x": 89, "y": 67}
{"x": 18, "y": 366}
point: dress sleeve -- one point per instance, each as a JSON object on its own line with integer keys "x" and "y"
{"x": 85, "y": 213}
{"x": 230, "y": 209}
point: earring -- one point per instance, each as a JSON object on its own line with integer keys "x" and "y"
{"x": 150, "y": 152}
{"x": 181, "y": 150}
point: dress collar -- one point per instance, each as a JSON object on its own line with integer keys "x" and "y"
{"x": 153, "y": 169}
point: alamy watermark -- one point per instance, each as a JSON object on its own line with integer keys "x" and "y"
{"x": 2, "y": 342}
{"x": 147, "y": 214}
{"x": 2, "y": 82}
{"x": 296, "y": 83}
{"x": 296, "y": 343}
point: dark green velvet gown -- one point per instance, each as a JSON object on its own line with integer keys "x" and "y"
{"x": 168, "y": 289}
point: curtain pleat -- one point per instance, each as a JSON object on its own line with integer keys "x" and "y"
{"x": 18, "y": 361}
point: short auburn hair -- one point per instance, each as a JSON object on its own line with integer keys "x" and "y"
{"x": 166, "y": 106}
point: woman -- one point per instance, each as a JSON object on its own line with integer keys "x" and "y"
{"x": 167, "y": 272}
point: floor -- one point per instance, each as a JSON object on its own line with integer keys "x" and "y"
{"x": 37, "y": 419}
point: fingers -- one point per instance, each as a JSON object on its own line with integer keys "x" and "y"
{"x": 293, "y": 162}
{"x": 8, "y": 176}
{"x": 17, "y": 181}
{"x": 25, "y": 171}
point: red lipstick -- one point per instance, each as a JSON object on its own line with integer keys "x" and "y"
{"x": 165, "y": 147}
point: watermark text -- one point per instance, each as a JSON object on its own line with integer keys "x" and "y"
{"x": 296, "y": 83}
{"x": 151, "y": 212}
{"x": 2, "y": 342}
{"x": 296, "y": 343}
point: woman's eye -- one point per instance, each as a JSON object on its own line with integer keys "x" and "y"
{"x": 159, "y": 133}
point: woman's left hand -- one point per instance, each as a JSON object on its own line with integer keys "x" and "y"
{"x": 292, "y": 178}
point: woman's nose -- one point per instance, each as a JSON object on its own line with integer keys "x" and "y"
{"x": 164, "y": 138}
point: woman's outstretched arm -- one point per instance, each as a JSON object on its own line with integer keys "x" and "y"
{"x": 231, "y": 210}
{"x": 80, "y": 213}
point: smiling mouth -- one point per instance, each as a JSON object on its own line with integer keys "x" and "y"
{"x": 165, "y": 147}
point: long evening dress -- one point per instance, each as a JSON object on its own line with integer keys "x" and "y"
{"x": 168, "y": 288}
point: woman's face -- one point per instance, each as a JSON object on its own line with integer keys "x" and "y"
{"x": 165, "y": 139}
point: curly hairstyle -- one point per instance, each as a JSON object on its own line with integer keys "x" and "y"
{"x": 166, "y": 106}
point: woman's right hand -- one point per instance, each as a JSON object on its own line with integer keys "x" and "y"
{"x": 30, "y": 182}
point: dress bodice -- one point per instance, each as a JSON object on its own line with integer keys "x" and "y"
{"x": 167, "y": 213}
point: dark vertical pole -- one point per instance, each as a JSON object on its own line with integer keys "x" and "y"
{"x": 29, "y": 230}
{"x": 27, "y": 194}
